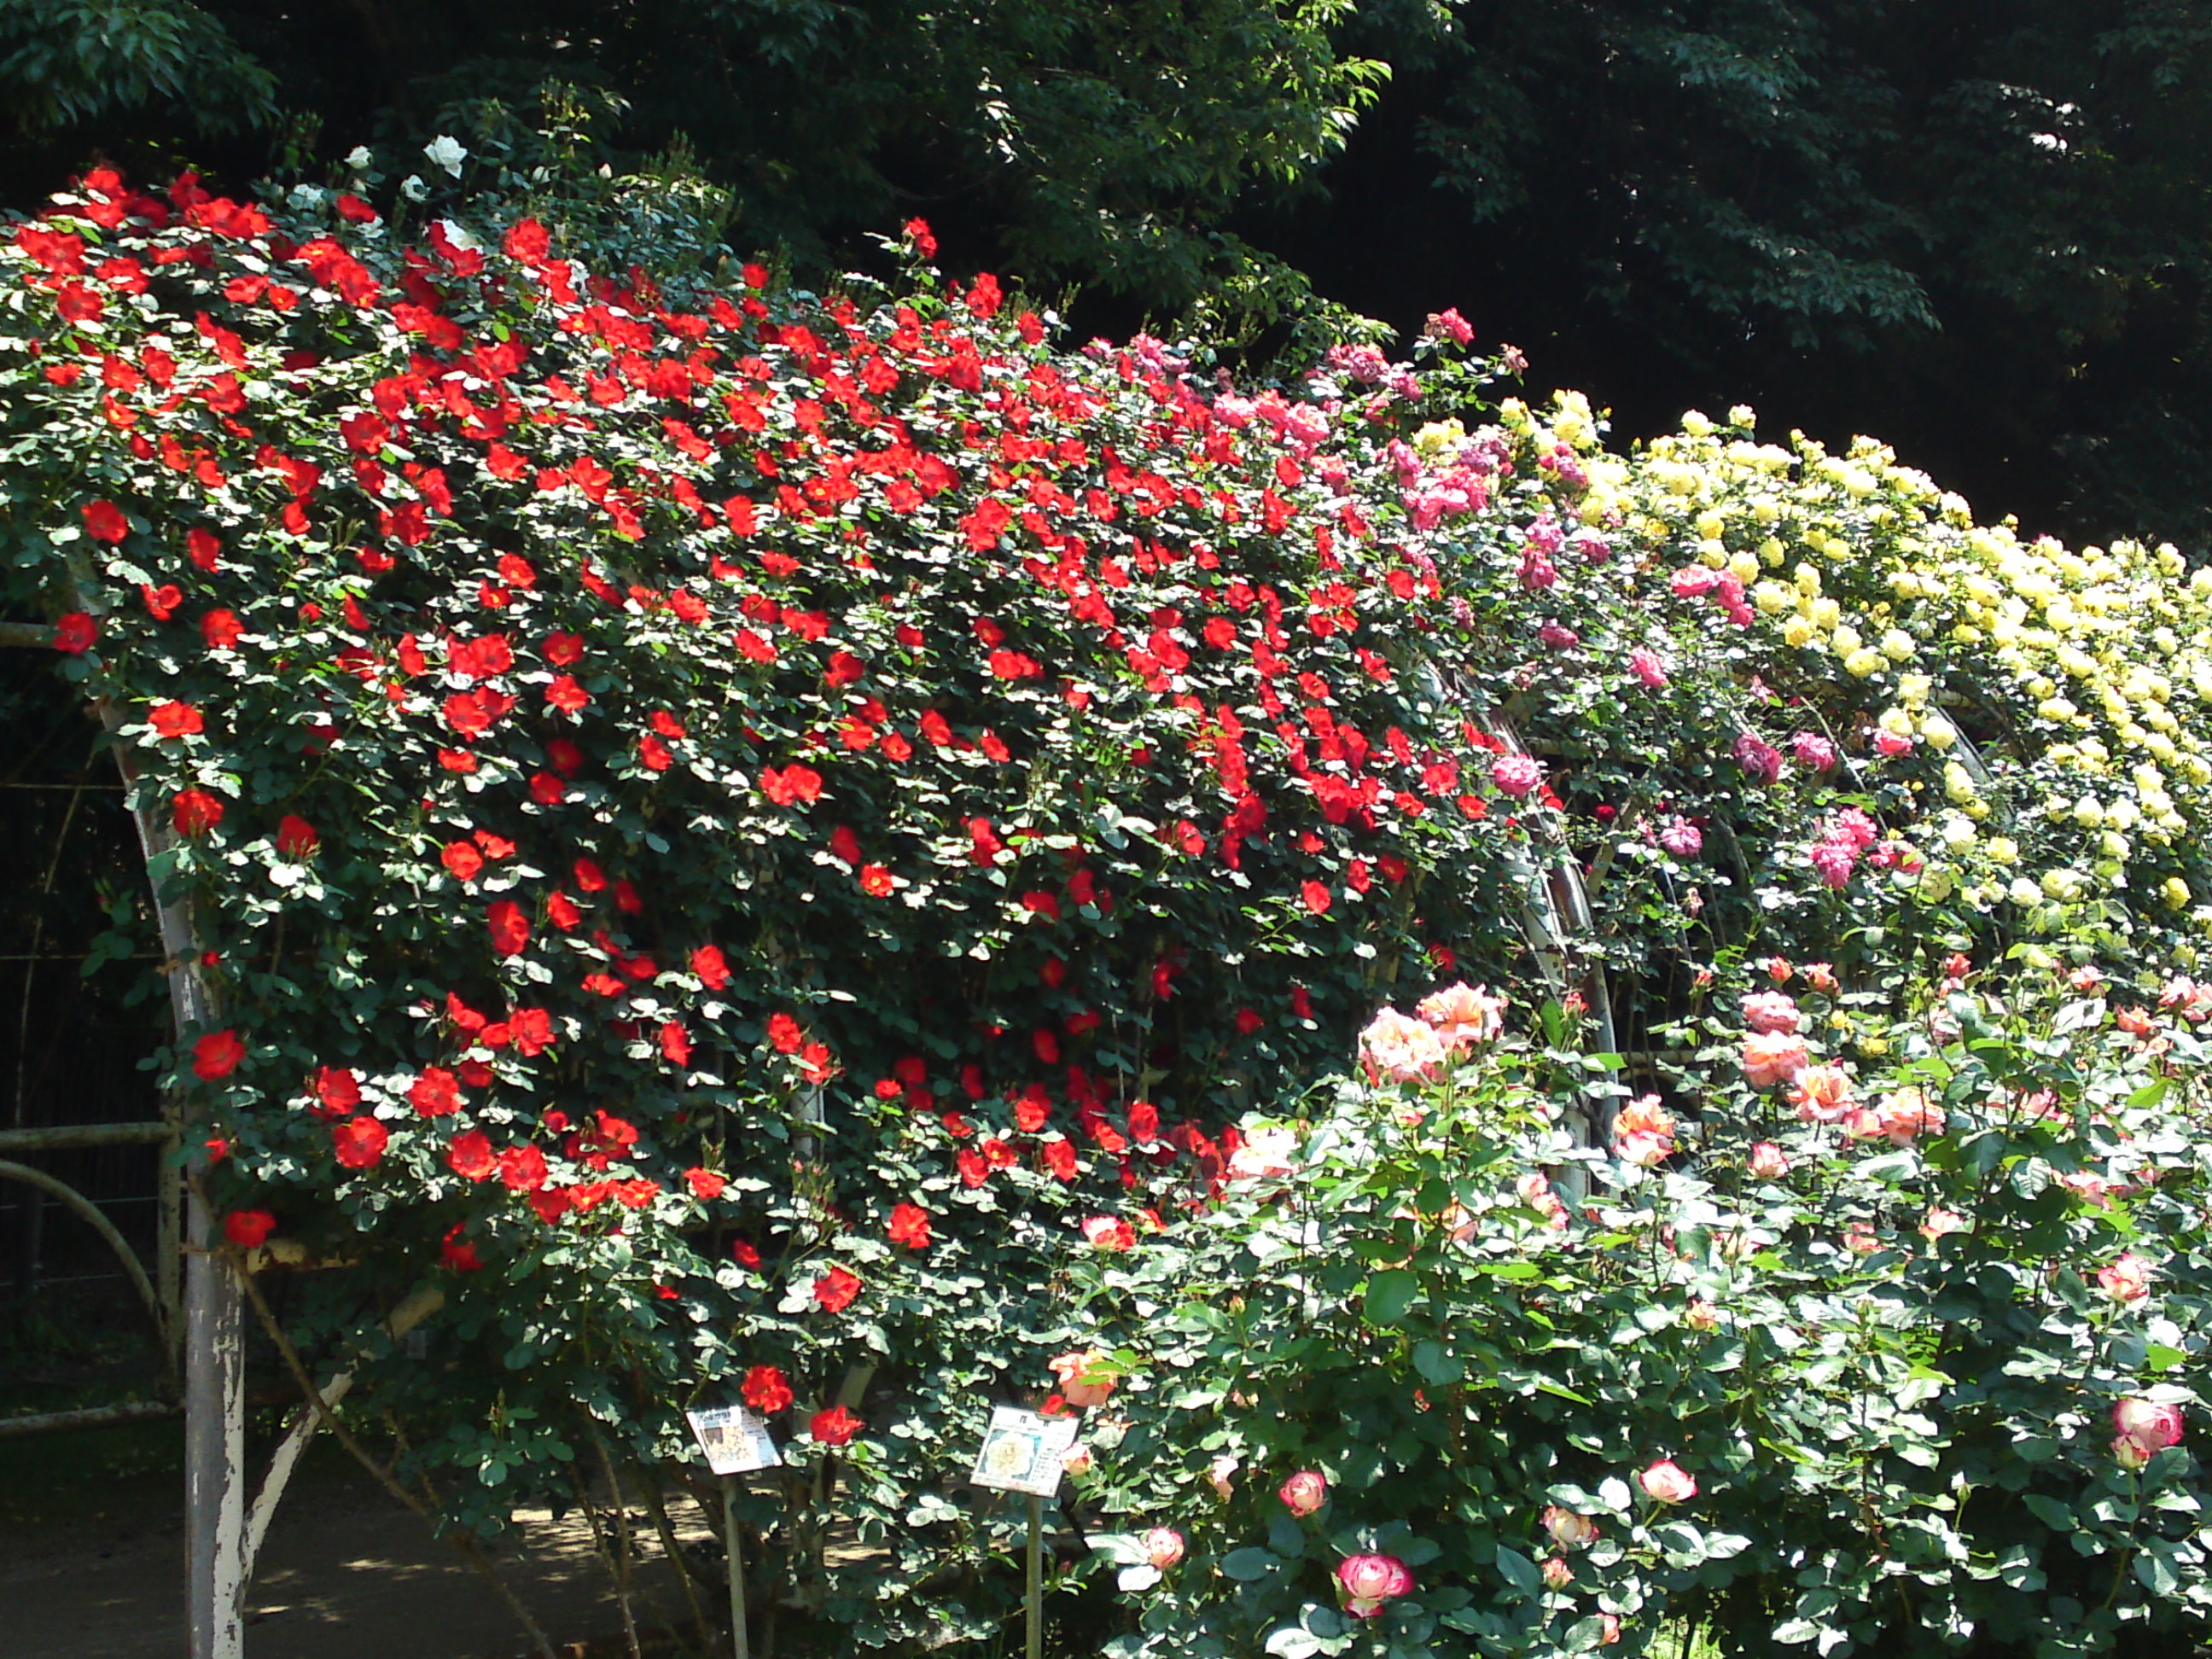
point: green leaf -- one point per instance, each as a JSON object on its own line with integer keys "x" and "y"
{"x": 2053, "y": 1513}
{"x": 1520, "y": 1571}
{"x": 1389, "y": 1294}
{"x": 1248, "y": 1564}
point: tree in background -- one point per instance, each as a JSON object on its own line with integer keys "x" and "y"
{"x": 1978, "y": 228}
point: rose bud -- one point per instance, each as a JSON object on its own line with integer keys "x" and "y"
{"x": 1162, "y": 1548}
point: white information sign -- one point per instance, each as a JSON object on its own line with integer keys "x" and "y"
{"x": 1022, "y": 1451}
{"x": 734, "y": 1440}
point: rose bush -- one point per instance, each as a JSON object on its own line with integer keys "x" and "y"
{"x": 1809, "y": 1387}
{"x": 757, "y": 838}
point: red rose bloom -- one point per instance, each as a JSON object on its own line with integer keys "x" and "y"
{"x": 76, "y": 632}
{"x": 470, "y": 1155}
{"x": 706, "y": 1185}
{"x": 174, "y": 719}
{"x": 104, "y": 522}
{"x": 835, "y": 1290}
{"x": 436, "y": 1093}
{"x": 834, "y": 1427}
{"x": 510, "y": 928}
{"x": 522, "y": 1169}
{"x": 338, "y": 1091}
{"x": 765, "y": 1390}
{"x": 359, "y": 1142}
{"x": 909, "y": 1226}
{"x": 195, "y": 812}
{"x": 296, "y": 837}
{"x": 248, "y": 1229}
{"x": 217, "y": 1055}
{"x": 221, "y": 629}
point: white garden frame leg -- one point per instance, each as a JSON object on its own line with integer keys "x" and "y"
{"x": 215, "y": 1316}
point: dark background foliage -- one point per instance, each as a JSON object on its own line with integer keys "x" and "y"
{"x": 1976, "y": 228}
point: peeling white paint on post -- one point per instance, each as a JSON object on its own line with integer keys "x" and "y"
{"x": 215, "y": 1446}
{"x": 215, "y": 1314}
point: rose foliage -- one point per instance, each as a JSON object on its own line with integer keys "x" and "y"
{"x": 1909, "y": 1368}
{"x": 737, "y": 833}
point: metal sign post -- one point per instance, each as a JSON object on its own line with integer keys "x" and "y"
{"x": 735, "y": 1441}
{"x": 1036, "y": 1596}
{"x": 740, "y": 1644}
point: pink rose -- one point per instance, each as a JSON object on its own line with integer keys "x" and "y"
{"x": 2129, "y": 1453}
{"x": 1644, "y": 1132}
{"x": 1083, "y": 1382}
{"x": 1770, "y": 1012}
{"x": 1940, "y": 1223}
{"x": 1768, "y": 1161}
{"x": 1772, "y": 1057}
{"x": 1647, "y": 667}
{"x": 1221, "y": 1475}
{"x": 1556, "y": 1573}
{"x": 1369, "y": 1581}
{"x": 1569, "y": 1530}
{"x": 1461, "y": 1015}
{"x": 2149, "y": 1424}
{"x": 1304, "y": 1492}
{"x": 1516, "y": 775}
{"x": 1668, "y": 1482}
{"x": 1400, "y": 1049}
{"x": 1077, "y": 1460}
{"x": 1162, "y": 1548}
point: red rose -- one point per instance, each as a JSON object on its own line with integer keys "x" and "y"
{"x": 522, "y": 1169}
{"x": 221, "y": 629}
{"x": 217, "y": 1055}
{"x": 706, "y": 1185}
{"x": 464, "y": 859}
{"x": 296, "y": 837}
{"x": 248, "y": 1229}
{"x": 835, "y": 1290}
{"x": 337, "y": 1090}
{"x": 1316, "y": 899}
{"x": 909, "y": 1226}
{"x": 104, "y": 522}
{"x": 76, "y": 632}
{"x": 174, "y": 719}
{"x": 784, "y": 1034}
{"x": 765, "y": 1390}
{"x": 359, "y": 1142}
{"x": 710, "y": 966}
{"x": 436, "y": 1093}
{"x": 510, "y": 928}
{"x": 834, "y": 1427}
{"x": 469, "y": 1155}
{"x": 457, "y": 1253}
{"x": 793, "y": 786}
{"x": 195, "y": 812}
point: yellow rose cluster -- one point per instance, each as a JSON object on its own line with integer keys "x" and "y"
{"x": 2044, "y": 708}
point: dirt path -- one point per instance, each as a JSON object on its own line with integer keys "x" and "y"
{"x": 346, "y": 1574}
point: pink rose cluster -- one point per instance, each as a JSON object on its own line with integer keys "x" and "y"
{"x": 1724, "y": 587}
{"x": 1644, "y": 1132}
{"x": 1459, "y": 1017}
{"x": 1844, "y": 837}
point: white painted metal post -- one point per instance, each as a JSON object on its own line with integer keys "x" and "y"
{"x": 215, "y": 1316}
{"x": 215, "y": 1446}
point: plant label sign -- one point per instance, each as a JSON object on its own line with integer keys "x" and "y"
{"x": 734, "y": 1440}
{"x": 1022, "y": 1451}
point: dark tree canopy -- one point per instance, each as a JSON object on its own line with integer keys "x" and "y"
{"x": 1978, "y": 227}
